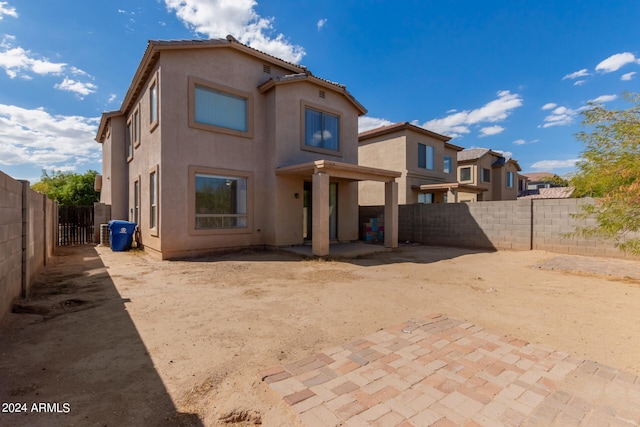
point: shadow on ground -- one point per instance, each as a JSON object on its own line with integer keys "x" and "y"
{"x": 73, "y": 347}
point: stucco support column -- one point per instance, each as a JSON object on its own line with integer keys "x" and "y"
{"x": 320, "y": 216}
{"x": 391, "y": 214}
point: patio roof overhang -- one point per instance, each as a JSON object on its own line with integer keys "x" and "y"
{"x": 320, "y": 172}
{"x": 340, "y": 170}
{"x": 448, "y": 186}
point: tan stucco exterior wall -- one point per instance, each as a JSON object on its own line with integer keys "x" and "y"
{"x": 399, "y": 152}
{"x": 497, "y": 188}
{"x": 176, "y": 151}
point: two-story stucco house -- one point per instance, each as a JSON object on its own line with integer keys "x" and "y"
{"x": 427, "y": 160}
{"x": 495, "y": 176}
{"x": 218, "y": 145}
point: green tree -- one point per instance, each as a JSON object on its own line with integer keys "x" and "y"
{"x": 67, "y": 188}
{"x": 557, "y": 181}
{"x": 610, "y": 172}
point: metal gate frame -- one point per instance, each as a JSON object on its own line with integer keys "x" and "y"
{"x": 75, "y": 225}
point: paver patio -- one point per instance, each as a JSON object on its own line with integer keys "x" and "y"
{"x": 444, "y": 372}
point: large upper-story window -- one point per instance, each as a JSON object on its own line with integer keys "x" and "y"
{"x": 321, "y": 130}
{"x": 221, "y": 109}
{"x": 510, "y": 179}
{"x": 425, "y": 156}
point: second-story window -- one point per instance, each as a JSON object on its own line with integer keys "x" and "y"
{"x": 447, "y": 164}
{"x": 425, "y": 156}
{"x": 486, "y": 175}
{"x": 510, "y": 179}
{"x": 321, "y": 130}
{"x": 220, "y": 109}
{"x": 465, "y": 174}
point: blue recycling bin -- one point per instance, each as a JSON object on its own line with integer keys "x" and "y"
{"x": 121, "y": 234}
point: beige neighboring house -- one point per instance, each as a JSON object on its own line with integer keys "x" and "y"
{"x": 218, "y": 145}
{"x": 495, "y": 176}
{"x": 427, "y": 160}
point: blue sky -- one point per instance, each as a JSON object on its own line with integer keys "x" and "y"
{"x": 508, "y": 75}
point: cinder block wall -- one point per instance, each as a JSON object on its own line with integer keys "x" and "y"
{"x": 553, "y": 220}
{"x": 10, "y": 241}
{"x": 28, "y": 233}
{"x": 517, "y": 225}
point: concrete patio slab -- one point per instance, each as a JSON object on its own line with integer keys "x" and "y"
{"x": 340, "y": 250}
{"x": 441, "y": 371}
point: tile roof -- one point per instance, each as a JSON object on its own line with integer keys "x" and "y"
{"x": 547, "y": 193}
{"x": 538, "y": 176}
{"x": 404, "y": 126}
{"x": 472, "y": 154}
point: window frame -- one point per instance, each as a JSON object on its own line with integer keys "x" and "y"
{"x": 482, "y": 175}
{"x": 198, "y": 82}
{"x": 464, "y": 168}
{"x": 135, "y": 122}
{"x": 428, "y": 198}
{"x": 129, "y": 141}
{"x": 154, "y": 185}
{"x": 135, "y": 214}
{"x": 303, "y": 126}
{"x": 201, "y": 170}
{"x": 512, "y": 175}
{"x": 428, "y": 160}
{"x": 446, "y": 169}
{"x": 154, "y": 104}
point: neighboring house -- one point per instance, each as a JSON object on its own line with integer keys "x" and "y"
{"x": 495, "y": 176}
{"x": 547, "y": 193}
{"x": 218, "y": 145}
{"x": 427, "y": 160}
{"x": 537, "y": 180}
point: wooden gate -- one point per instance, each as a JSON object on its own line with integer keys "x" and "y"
{"x": 75, "y": 225}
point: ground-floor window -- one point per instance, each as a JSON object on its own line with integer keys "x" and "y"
{"x": 425, "y": 198}
{"x": 220, "y": 201}
{"x": 153, "y": 199}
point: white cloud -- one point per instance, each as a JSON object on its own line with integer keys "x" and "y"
{"x": 628, "y": 76}
{"x": 603, "y": 98}
{"x": 554, "y": 164}
{"x": 581, "y": 73}
{"x": 459, "y": 123}
{"x": 38, "y": 138}
{"x": 219, "y": 18}
{"x": 562, "y": 116}
{"x": 519, "y": 142}
{"x": 490, "y": 130}
{"x": 321, "y": 23}
{"x": 579, "y": 82}
{"x": 79, "y": 88}
{"x": 367, "y": 123}
{"x": 506, "y": 154}
{"x": 615, "y": 62}
{"x": 549, "y": 106}
{"x": 18, "y": 62}
{"x": 8, "y": 10}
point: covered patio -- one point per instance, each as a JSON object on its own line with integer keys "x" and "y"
{"x": 452, "y": 188}
{"x": 321, "y": 172}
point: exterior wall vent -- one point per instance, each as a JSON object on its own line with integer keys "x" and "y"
{"x": 266, "y": 69}
{"x": 321, "y": 94}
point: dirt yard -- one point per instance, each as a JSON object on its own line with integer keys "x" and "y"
{"x": 109, "y": 339}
